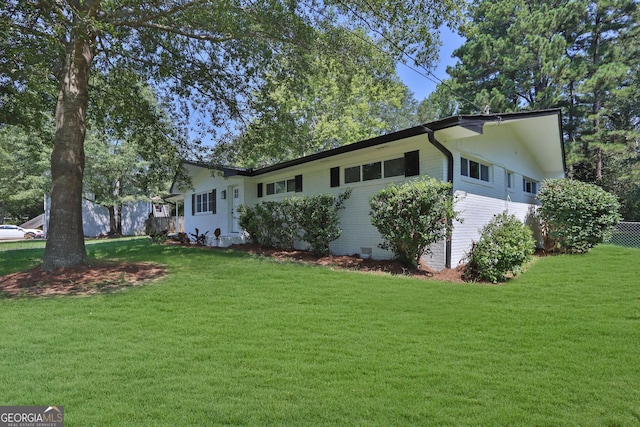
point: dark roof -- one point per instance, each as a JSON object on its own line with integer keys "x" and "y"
{"x": 472, "y": 122}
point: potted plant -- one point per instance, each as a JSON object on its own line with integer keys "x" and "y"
{"x": 217, "y": 233}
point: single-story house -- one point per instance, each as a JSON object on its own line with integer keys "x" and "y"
{"x": 496, "y": 162}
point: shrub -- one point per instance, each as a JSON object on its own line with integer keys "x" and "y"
{"x": 200, "y": 238}
{"x": 412, "y": 216}
{"x": 314, "y": 219}
{"x": 254, "y": 220}
{"x": 270, "y": 224}
{"x": 505, "y": 245}
{"x": 281, "y": 224}
{"x": 317, "y": 218}
{"x": 577, "y": 215}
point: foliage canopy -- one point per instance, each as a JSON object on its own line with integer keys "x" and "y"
{"x": 204, "y": 59}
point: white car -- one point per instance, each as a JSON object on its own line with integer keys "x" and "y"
{"x": 13, "y": 232}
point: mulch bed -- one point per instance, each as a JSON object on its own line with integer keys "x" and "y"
{"x": 348, "y": 262}
{"x": 101, "y": 277}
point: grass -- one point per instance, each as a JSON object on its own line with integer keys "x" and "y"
{"x": 227, "y": 339}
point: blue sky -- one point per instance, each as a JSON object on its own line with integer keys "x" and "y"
{"x": 420, "y": 85}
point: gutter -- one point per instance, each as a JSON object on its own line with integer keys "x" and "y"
{"x": 449, "y": 156}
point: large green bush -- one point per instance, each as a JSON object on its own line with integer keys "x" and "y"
{"x": 313, "y": 219}
{"x": 270, "y": 224}
{"x": 576, "y": 215}
{"x": 317, "y": 218}
{"x": 254, "y": 220}
{"x": 505, "y": 245}
{"x": 412, "y": 216}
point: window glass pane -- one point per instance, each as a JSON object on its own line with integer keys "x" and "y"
{"x": 474, "y": 169}
{"x": 372, "y": 171}
{"x": 271, "y": 188}
{"x": 291, "y": 185}
{"x": 529, "y": 186}
{"x": 464, "y": 166}
{"x": 352, "y": 174}
{"x": 280, "y": 187}
{"x": 484, "y": 173}
{"x": 394, "y": 167}
{"x": 509, "y": 179}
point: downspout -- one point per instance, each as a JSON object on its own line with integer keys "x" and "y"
{"x": 449, "y": 156}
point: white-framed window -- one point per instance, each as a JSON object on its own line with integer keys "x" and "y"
{"x": 375, "y": 170}
{"x": 529, "y": 185}
{"x": 407, "y": 165}
{"x": 474, "y": 169}
{"x": 285, "y": 186}
{"x": 509, "y": 178}
{"x": 203, "y": 203}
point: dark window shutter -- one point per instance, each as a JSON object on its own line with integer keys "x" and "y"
{"x": 412, "y": 163}
{"x": 260, "y": 189}
{"x": 335, "y": 177}
{"x": 212, "y": 201}
{"x": 193, "y": 204}
{"x": 298, "y": 183}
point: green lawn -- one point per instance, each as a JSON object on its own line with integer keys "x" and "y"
{"x": 227, "y": 339}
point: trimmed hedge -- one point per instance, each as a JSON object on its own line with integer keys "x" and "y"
{"x": 313, "y": 219}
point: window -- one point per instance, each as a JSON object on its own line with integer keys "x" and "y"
{"x": 394, "y": 167}
{"x": 352, "y": 174}
{"x": 509, "y": 179}
{"x": 408, "y": 165}
{"x": 473, "y": 169}
{"x": 203, "y": 203}
{"x": 372, "y": 171}
{"x": 281, "y": 187}
{"x": 285, "y": 186}
{"x": 529, "y": 186}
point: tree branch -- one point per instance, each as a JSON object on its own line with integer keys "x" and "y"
{"x": 112, "y": 18}
{"x": 181, "y": 32}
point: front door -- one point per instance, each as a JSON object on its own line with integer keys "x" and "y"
{"x": 235, "y": 204}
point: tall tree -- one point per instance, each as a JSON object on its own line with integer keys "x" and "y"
{"x": 440, "y": 103}
{"x": 24, "y": 173}
{"x": 339, "y": 100}
{"x": 580, "y": 56}
{"x": 213, "y": 53}
{"x": 131, "y": 154}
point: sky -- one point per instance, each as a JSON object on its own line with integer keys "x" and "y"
{"x": 420, "y": 85}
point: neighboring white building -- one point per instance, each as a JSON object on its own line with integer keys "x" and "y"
{"x": 95, "y": 218}
{"x": 496, "y": 162}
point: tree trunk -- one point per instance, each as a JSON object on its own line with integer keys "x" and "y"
{"x": 65, "y": 237}
{"x": 119, "y": 222}
{"x": 112, "y": 220}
